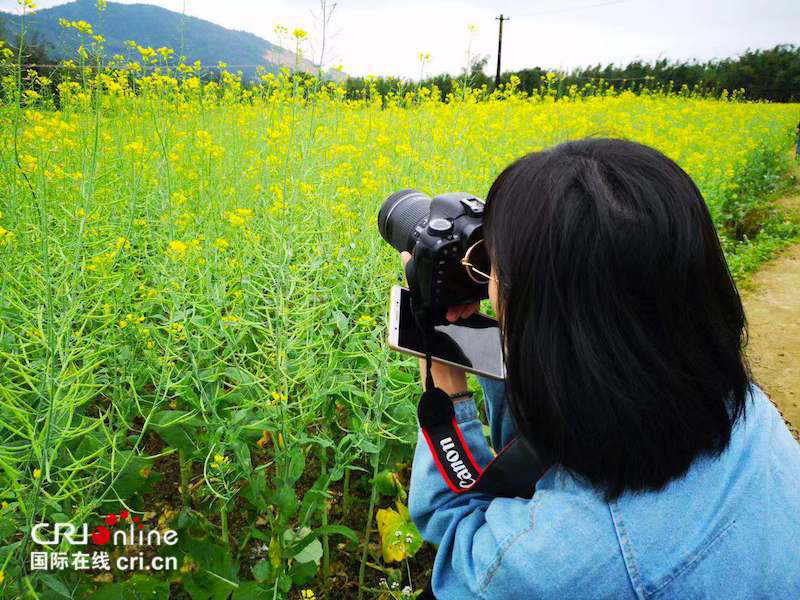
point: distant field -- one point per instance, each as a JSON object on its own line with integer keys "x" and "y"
{"x": 193, "y": 295}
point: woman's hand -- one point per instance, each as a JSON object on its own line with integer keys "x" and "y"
{"x": 454, "y": 313}
{"x": 452, "y": 380}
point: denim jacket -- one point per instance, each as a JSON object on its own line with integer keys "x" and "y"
{"x": 729, "y": 528}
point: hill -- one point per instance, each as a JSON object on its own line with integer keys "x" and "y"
{"x": 149, "y": 25}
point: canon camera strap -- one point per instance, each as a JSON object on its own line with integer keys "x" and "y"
{"x": 512, "y": 473}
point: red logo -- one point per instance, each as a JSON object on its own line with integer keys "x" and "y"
{"x": 102, "y": 534}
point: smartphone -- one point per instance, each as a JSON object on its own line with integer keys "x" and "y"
{"x": 472, "y": 343}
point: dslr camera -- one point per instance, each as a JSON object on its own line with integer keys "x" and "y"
{"x": 438, "y": 233}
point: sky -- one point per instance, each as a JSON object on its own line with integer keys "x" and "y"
{"x": 386, "y": 38}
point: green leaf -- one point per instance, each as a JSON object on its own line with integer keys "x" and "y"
{"x": 295, "y": 548}
{"x": 313, "y": 498}
{"x": 239, "y": 376}
{"x": 240, "y": 416}
{"x": 133, "y": 478}
{"x": 209, "y": 375}
{"x": 366, "y": 445}
{"x": 285, "y": 499}
{"x": 262, "y": 570}
{"x": 336, "y": 530}
{"x": 177, "y": 428}
{"x": 110, "y": 591}
{"x": 387, "y": 483}
{"x": 297, "y": 462}
{"x": 215, "y": 572}
{"x": 285, "y": 583}
{"x": 303, "y": 572}
{"x": 55, "y": 585}
{"x": 250, "y": 590}
{"x": 257, "y": 534}
{"x": 242, "y": 453}
{"x": 143, "y": 586}
{"x": 341, "y": 321}
{"x": 254, "y": 490}
{"x": 311, "y": 553}
{"x": 337, "y": 472}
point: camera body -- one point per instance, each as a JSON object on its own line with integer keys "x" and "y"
{"x": 437, "y": 233}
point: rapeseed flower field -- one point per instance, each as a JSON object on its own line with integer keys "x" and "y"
{"x": 193, "y": 296}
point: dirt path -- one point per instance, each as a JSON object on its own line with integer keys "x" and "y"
{"x": 773, "y": 313}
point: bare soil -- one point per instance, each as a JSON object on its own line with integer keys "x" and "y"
{"x": 773, "y": 312}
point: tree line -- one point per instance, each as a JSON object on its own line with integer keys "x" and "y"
{"x": 772, "y": 74}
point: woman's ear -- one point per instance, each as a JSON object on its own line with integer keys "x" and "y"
{"x": 494, "y": 294}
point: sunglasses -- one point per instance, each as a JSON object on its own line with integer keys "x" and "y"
{"x": 476, "y": 262}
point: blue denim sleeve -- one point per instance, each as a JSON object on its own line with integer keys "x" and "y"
{"x": 501, "y": 422}
{"x": 469, "y": 527}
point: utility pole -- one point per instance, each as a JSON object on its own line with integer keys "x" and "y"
{"x": 501, "y": 18}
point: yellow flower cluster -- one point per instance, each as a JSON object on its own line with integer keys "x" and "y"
{"x": 179, "y": 250}
{"x": 79, "y": 26}
{"x": 239, "y": 217}
{"x": 205, "y": 143}
{"x": 277, "y": 398}
{"x": 6, "y": 236}
{"x": 220, "y": 461}
{"x": 177, "y": 330}
{"x": 366, "y": 321}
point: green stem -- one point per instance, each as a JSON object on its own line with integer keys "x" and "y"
{"x": 223, "y": 517}
{"x": 185, "y": 472}
{"x": 346, "y": 492}
{"x": 326, "y": 552}
{"x": 367, "y": 531}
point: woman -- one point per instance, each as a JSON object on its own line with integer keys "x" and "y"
{"x": 672, "y": 474}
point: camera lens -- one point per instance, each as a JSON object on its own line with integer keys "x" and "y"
{"x": 400, "y": 214}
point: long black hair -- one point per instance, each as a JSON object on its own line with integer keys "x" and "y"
{"x": 623, "y": 328}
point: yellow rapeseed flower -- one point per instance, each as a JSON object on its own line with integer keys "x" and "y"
{"x": 366, "y": 321}
{"x": 6, "y": 236}
{"x": 177, "y": 249}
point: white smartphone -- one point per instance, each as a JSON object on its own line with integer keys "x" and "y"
{"x": 472, "y": 344}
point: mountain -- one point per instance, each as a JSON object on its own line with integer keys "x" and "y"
{"x": 157, "y": 27}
